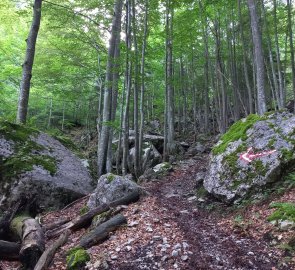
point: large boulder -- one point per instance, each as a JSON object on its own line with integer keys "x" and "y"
{"x": 253, "y": 153}
{"x": 111, "y": 187}
{"x": 36, "y": 167}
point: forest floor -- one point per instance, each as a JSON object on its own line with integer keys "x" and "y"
{"x": 171, "y": 229}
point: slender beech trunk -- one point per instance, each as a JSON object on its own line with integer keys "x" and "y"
{"x": 136, "y": 91}
{"x": 258, "y": 56}
{"x": 169, "y": 112}
{"x": 278, "y": 55}
{"x": 245, "y": 67}
{"x": 128, "y": 89}
{"x": 107, "y": 109}
{"x": 206, "y": 72}
{"x": 142, "y": 72}
{"x": 271, "y": 61}
{"x": 25, "y": 85}
{"x": 114, "y": 101}
{"x": 289, "y": 6}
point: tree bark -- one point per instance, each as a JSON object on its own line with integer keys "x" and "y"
{"x": 289, "y": 6}
{"x": 169, "y": 100}
{"x": 142, "y": 72}
{"x": 9, "y": 251}
{"x": 22, "y": 108}
{"x": 85, "y": 220}
{"x": 258, "y": 56}
{"x": 107, "y": 109}
{"x": 48, "y": 255}
{"x": 102, "y": 231}
{"x": 33, "y": 240}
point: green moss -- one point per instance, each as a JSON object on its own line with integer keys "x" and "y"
{"x": 287, "y": 154}
{"x": 16, "y": 133}
{"x": 232, "y": 159}
{"x": 259, "y": 167}
{"x": 84, "y": 210}
{"x": 17, "y": 223}
{"x": 77, "y": 258}
{"x": 110, "y": 178}
{"x": 271, "y": 143}
{"x": 237, "y": 131}
{"x": 26, "y": 152}
{"x": 201, "y": 192}
{"x": 284, "y": 211}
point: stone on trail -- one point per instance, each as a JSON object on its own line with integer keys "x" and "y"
{"x": 111, "y": 187}
{"x": 254, "y": 152}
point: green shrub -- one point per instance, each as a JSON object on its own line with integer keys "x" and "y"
{"x": 284, "y": 211}
{"x": 77, "y": 258}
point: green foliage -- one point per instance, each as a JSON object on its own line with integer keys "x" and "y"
{"x": 77, "y": 258}
{"x": 284, "y": 211}
{"x": 84, "y": 210}
{"x": 110, "y": 178}
{"x": 27, "y": 152}
{"x": 237, "y": 131}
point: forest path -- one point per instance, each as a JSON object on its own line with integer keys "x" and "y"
{"x": 181, "y": 235}
{"x": 169, "y": 229}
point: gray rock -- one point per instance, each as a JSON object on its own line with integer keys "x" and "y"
{"x": 156, "y": 172}
{"x": 111, "y": 187}
{"x": 230, "y": 178}
{"x": 286, "y": 225}
{"x": 48, "y": 174}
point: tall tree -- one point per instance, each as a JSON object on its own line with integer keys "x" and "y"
{"x": 289, "y": 6}
{"x": 103, "y": 145}
{"x": 258, "y": 57}
{"x": 169, "y": 143}
{"x": 22, "y": 108}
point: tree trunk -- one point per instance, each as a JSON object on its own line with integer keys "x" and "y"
{"x": 278, "y": 55}
{"x": 125, "y": 124}
{"x": 135, "y": 101}
{"x": 142, "y": 72}
{"x": 102, "y": 231}
{"x": 258, "y": 56}
{"x": 33, "y": 240}
{"x": 48, "y": 255}
{"x": 9, "y": 250}
{"x": 169, "y": 115}
{"x": 289, "y": 5}
{"x": 107, "y": 108}
{"x": 22, "y": 108}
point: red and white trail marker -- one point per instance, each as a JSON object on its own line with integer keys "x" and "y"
{"x": 249, "y": 155}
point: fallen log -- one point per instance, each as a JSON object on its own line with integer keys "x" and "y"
{"x": 101, "y": 232}
{"x": 56, "y": 224}
{"x": 6, "y": 219}
{"x": 9, "y": 250}
{"x": 49, "y": 253}
{"x": 32, "y": 237}
{"x": 85, "y": 220}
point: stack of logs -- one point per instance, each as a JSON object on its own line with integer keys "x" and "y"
{"x": 31, "y": 251}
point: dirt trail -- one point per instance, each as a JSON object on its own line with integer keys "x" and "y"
{"x": 208, "y": 245}
{"x": 167, "y": 229}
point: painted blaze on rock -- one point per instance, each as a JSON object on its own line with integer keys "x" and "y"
{"x": 231, "y": 177}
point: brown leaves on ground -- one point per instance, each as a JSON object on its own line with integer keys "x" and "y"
{"x": 167, "y": 230}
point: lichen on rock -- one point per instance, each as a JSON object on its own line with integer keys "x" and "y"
{"x": 35, "y": 166}
{"x": 229, "y": 177}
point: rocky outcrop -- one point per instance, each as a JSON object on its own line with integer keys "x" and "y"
{"x": 253, "y": 153}
{"x": 111, "y": 187}
{"x": 39, "y": 169}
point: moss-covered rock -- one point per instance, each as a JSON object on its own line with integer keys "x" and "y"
{"x": 36, "y": 166}
{"x": 232, "y": 177}
{"x": 77, "y": 258}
